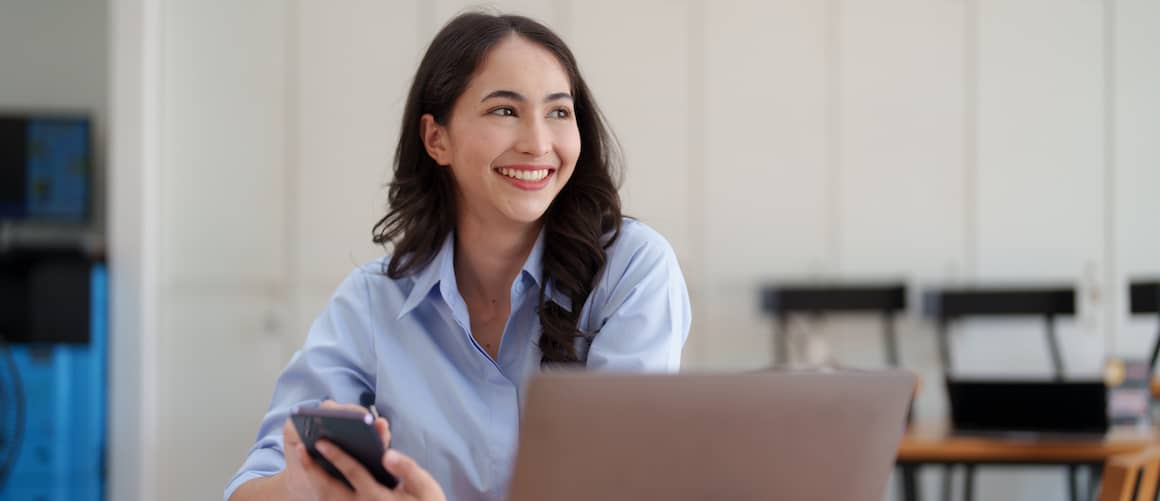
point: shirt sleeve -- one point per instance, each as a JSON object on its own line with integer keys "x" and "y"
{"x": 336, "y": 362}
{"x": 644, "y": 316}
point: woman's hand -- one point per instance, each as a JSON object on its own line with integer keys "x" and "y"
{"x": 294, "y": 481}
{"x": 304, "y": 479}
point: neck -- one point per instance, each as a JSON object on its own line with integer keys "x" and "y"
{"x": 489, "y": 257}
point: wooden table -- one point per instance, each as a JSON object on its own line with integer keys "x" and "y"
{"x": 932, "y": 443}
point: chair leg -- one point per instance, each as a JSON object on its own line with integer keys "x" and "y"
{"x": 969, "y": 483}
{"x": 947, "y": 481}
{"x": 1095, "y": 474}
{"x": 781, "y": 341}
{"x": 909, "y": 479}
{"x": 1073, "y": 482}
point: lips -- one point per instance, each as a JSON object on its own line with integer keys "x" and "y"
{"x": 528, "y": 177}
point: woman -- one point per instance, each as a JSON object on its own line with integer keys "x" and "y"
{"x": 509, "y": 253}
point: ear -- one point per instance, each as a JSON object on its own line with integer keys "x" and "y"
{"x": 435, "y": 139}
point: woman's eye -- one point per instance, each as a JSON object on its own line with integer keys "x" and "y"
{"x": 504, "y": 111}
{"x": 561, "y": 113}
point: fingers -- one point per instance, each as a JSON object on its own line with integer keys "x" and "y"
{"x": 326, "y": 486}
{"x": 384, "y": 429}
{"x": 382, "y": 426}
{"x": 413, "y": 479}
{"x": 331, "y": 404}
{"x": 354, "y": 472}
{"x": 290, "y": 436}
{"x": 291, "y": 442}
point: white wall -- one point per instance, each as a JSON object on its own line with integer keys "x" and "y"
{"x": 133, "y": 248}
{"x": 224, "y": 214}
{"x": 933, "y": 140}
{"x": 1134, "y": 116}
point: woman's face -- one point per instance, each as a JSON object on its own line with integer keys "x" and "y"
{"x": 511, "y": 141}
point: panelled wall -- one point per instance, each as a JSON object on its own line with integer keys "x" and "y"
{"x": 936, "y": 141}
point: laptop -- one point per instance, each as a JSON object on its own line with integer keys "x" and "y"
{"x": 1028, "y": 407}
{"x": 759, "y": 435}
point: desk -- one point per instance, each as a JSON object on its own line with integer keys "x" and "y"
{"x": 932, "y": 443}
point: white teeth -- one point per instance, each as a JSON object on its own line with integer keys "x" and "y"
{"x": 525, "y": 175}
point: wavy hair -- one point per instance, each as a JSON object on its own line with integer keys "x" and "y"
{"x": 579, "y": 224}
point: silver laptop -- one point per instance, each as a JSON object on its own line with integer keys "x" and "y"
{"x": 762, "y": 435}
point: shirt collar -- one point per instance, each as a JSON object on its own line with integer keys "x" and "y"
{"x": 534, "y": 268}
{"x": 534, "y": 265}
{"x": 441, "y": 271}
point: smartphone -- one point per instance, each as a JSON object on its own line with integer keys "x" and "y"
{"x": 353, "y": 431}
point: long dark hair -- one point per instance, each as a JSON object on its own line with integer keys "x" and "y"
{"x": 580, "y": 223}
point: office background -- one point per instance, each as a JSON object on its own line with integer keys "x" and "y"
{"x": 244, "y": 147}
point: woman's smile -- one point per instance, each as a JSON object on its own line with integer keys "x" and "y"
{"x": 527, "y": 177}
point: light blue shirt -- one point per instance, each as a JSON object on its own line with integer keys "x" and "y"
{"x": 452, "y": 407}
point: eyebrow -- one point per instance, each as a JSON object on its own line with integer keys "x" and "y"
{"x": 516, "y": 96}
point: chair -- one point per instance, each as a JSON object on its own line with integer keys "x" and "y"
{"x": 1131, "y": 477}
{"x": 886, "y": 299}
{"x": 952, "y": 304}
{"x": 949, "y": 305}
{"x": 1144, "y": 297}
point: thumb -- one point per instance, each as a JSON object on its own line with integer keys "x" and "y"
{"x": 413, "y": 478}
{"x": 384, "y": 429}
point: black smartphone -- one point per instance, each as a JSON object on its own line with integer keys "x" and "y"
{"x": 353, "y": 431}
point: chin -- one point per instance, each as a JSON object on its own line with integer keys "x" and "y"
{"x": 527, "y": 217}
{"x": 527, "y": 214}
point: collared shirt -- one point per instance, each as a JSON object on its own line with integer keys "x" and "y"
{"x": 451, "y": 407}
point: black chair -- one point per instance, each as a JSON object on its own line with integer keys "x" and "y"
{"x": 946, "y": 306}
{"x": 949, "y": 305}
{"x": 785, "y": 300}
{"x": 885, "y": 299}
{"x": 1144, "y": 297}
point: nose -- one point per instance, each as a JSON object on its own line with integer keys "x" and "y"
{"x": 535, "y": 139}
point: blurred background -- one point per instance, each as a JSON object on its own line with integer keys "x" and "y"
{"x": 229, "y": 160}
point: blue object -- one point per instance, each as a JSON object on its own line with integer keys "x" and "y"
{"x": 58, "y": 169}
{"x": 62, "y": 447}
{"x": 46, "y": 164}
{"x": 451, "y": 407}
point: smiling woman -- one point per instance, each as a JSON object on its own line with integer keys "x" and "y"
{"x": 508, "y": 252}
{"x": 496, "y": 138}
